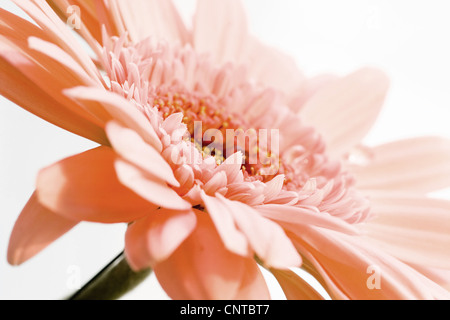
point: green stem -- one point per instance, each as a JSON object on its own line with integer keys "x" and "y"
{"x": 112, "y": 282}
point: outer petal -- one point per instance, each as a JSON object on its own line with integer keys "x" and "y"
{"x": 156, "y": 236}
{"x": 202, "y": 268}
{"x": 38, "y": 102}
{"x": 413, "y": 229}
{"x": 35, "y": 229}
{"x": 119, "y": 109}
{"x": 253, "y": 285}
{"x": 94, "y": 15}
{"x": 232, "y": 167}
{"x": 220, "y": 29}
{"x": 144, "y": 18}
{"x": 132, "y": 147}
{"x": 265, "y": 236}
{"x": 273, "y": 187}
{"x": 299, "y": 218}
{"x": 294, "y": 287}
{"x": 86, "y": 187}
{"x": 73, "y": 72}
{"x": 44, "y": 81}
{"x": 440, "y": 276}
{"x": 306, "y": 89}
{"x": 233, "y": 238}
{"x": 273, "y": 67}
{"x": 418, "y": 165}
{"x": 57, "y": 31}
{"x": 353, "y": 269}
{"x": 149, "y": 187}
{"x": 345, "y": 110}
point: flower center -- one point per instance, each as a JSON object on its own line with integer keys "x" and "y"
{"x": 204, "y": 112}
{"x": 217, "y": 132}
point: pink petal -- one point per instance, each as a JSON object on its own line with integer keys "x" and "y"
{"x": 355, "y": 101}
{"x": 133, "y": 148}
{"x": 413, "y": 229}
{"x": 220, "y": 29}
{"x": 41, "y": 104}
{"x": 306, "y": 89}
{"x": 28, "y": 29}
{"x": 202, "y": 268}
{"x": 172, "y": 122}
{"x": 233, "y": 239}
{"x": 273, "y": 187}
{"x": 35, "y": 229}
{"x": 85, "y": 187}
{"x": 297, "y": 218}
{"x": 295, "y": 287}
{"x": 56, "y": 53}
{"x": 253, "y": 285}
{"x": 55, "y": 29}
{"x": 218, "y": 181}
{"x": 155, "y": 237}
{"x": 149, "y": 187}
{"x": 272, "y": 67}
{"x": 232, "y": 167}
{"x": 44, "y": 81}
{"x": 347, "y": 263}
{"x": 440, "y": 276}
{"x": 156, "y": 18}
{"x": 119, "y": 109}
{"x": 94, "y": 15}
{"x": 418, "y": 164}
{"x": 185, "y": 175}
{"x": 265, "y": 236}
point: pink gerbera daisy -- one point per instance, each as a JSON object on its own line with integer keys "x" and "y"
{"x": 220, "y": 155}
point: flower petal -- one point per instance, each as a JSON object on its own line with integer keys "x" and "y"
{"x": 272, "y": 67}
{"x": 233, "y": 239}
{"x": 232, "y": 167}
{"x": 19, "y": 70}
{"x": 156, "y": 18}
{"x": 61, "y": 58}
{"x": 155, "y": 237}
{"x": 417, "y": 165}
{"x": 265, "y": 236}
{"x": 253, "y": 285}
{"x": 202, "y": 268}
{"x": 220, "y": 28}
{"x": 353, "y": 269}
{"x": 297, "y": 218}
{"x": 413, "y": 229}
{"x": 133, "y": 148}
{"x": 120, "y": 109}
{"x": 149, "y": 186}
{"x": 307, "y": 88}
{"x": 41, "y": 104}
{"x": 354, "y": 100}
{"x": 57, "y": 31}
{"x": 94, "y": 14}
{"x": 86, "y": 187}
{"x": 34, "y": 230}
{"x": 273, "y": 187}
{"x": 294, "y": 286}
{"x": 440, "y": 276}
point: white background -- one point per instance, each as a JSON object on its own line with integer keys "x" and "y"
{"x": 409, "y": 40}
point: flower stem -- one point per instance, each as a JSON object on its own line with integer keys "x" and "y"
{"x": 112, "y": 282}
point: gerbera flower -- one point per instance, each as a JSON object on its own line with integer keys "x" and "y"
{"x": 220, "y": 154}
